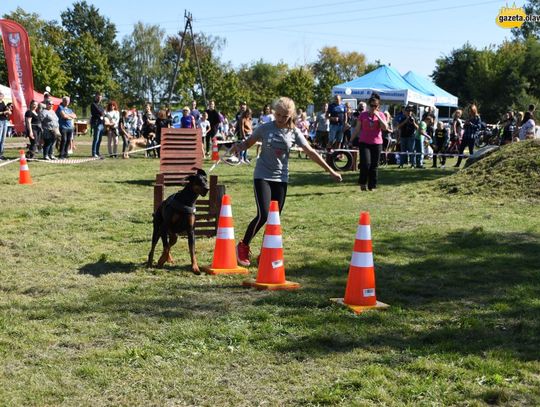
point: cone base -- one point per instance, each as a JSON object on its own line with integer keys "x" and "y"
{"x": 357, "y": 309}
{"x": 215, "y": 271}
{"x": 287, "y": 285}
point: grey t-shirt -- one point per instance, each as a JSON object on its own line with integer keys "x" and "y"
{"x": 49, "y": 119}
{"x": 273, "y": 162}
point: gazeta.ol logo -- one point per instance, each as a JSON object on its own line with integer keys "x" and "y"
{"x": 511, "y": 17}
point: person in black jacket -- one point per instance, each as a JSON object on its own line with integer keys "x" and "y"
{"x": 96, "y": 123}
{"x": 472, "y": 126}
{"x": 214, "y": 120}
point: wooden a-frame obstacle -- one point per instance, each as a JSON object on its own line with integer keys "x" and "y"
{"x": 181, "y": 155}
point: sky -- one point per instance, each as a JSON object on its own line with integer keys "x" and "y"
{"x": 407, "y": 34}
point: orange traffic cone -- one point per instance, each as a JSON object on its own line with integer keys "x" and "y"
{"x": 225, "y": 261}
{"x": 215, "y": 150}
{"x": 271, "y": 273}
{"x": 24, "y": 173}
{"x": 360, "y": 290}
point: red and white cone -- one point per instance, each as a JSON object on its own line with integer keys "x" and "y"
{"x": 24, "y": 173}
{"x": 360, "y": 290}
{"x": 271, "y": 273}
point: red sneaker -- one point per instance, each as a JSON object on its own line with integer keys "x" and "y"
{"x": 243, "y": 254}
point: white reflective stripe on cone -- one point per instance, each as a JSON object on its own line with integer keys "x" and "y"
{"x": 273, "y": 218}
{"x": 226, "y": 211}
{"x": 360, "y": 259}
{"x": 225, "y": 233}
{"x": 363, "y": 232}
{"x": 272, "y": 242}
{"x": 24, "y": 167}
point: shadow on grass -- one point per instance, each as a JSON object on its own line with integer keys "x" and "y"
{"x": 103, "y": 267}
{"x": 390, "y": 175}
{"x": 466, "y": 292}
{"x": 139, "y": 182}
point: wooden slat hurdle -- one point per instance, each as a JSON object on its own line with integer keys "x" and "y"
{"x": 181, "y": 154}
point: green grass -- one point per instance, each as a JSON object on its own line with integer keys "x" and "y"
{"x": 84, "y": 323}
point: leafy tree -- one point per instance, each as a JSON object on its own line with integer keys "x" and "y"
{"x": 451, "y": 71}
{"x": 496, "y": 78}
{"x": 298, "y": 84}
{"x": 334, "y": 67}
{"x": 529, "y": 29}
{"x": 226, "y": 91}
{"x": 145, "y": 78}
{"x": 44, "y": 46}
{"x": 261, "y": 82}
{"x": 187, "y": 86}
{"x": 84, "y": 19}
{"x": 531, "y": 68}
{"x": 90, "y": 71}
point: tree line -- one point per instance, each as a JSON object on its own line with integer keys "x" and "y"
{"x": 81, "y": 54}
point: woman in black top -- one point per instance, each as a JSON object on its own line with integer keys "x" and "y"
{"x": 163, "y": 121}
{"x": 32, "y": 122}
{"x": 472, "y": 126}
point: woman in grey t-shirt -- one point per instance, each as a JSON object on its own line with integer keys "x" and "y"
{"x": 271, "y": 174}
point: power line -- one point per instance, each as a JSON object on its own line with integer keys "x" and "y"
{"x": 333, "y": 14}
{"x": 382, "y": 16}
{"x": 285, "y": 10}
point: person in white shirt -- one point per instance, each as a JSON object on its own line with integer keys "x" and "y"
{"x": 528, "y": 127}
{"x": 267, "y": 115}
{"x": 205, "y": 127}
{"x": 111, "y": 120}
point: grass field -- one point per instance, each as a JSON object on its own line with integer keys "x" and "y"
{"x": 84, "y": 323}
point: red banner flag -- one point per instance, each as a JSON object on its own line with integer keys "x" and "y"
{"x": 19, "y": 64}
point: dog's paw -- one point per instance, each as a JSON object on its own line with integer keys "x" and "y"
{"x": 195, "y": 270}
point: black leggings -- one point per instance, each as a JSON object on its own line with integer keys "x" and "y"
{"x": 369, "y": 162}
{"x": 265, "y": 191}
{"x": 467, "y": 141}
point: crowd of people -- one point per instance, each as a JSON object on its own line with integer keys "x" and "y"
{"x": 405, "y": 140}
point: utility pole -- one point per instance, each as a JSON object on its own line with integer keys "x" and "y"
{"x": 188, "y": 26}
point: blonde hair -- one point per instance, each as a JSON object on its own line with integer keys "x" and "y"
{"x": 285, "y": 104}
{"x": 459, "y": 111}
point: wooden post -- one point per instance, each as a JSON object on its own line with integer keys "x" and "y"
{"x": 159, "y": 190}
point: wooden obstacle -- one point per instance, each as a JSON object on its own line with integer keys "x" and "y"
{"x": 181, "y": 154}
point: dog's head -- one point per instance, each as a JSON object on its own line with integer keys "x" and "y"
{"x": 199, "y": 183}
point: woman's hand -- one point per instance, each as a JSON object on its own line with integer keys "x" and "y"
{"x": 336, "y": 176}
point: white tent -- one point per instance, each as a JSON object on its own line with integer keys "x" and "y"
{"x": 388, "y": 83}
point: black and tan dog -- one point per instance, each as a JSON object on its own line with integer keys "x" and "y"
{"x": 176, "y": 215}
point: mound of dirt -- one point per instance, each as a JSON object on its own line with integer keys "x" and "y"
{"x": 512, "y": 171}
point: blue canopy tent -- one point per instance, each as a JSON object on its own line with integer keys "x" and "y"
{"x": 388, "y": 83}
{"x": 442, "y": 97}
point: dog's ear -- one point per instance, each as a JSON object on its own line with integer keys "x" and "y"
{"x": 201, "y": 172}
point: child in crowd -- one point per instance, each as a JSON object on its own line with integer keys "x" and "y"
{"x": 440, "y": 143}
{"x": 246, "y": 129}
{"x": 205, "y": 127}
